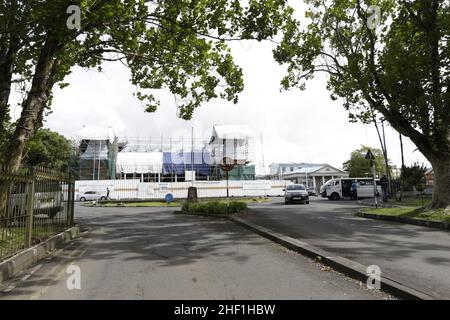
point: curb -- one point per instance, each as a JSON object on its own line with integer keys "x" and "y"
{"x": 418, "y": 222}
{"x": 350, "y": 268}
{"x": 23, "y": 260}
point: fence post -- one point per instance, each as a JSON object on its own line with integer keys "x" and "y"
{"x": 71, "y": 200}
{"x": 30, "y": 211}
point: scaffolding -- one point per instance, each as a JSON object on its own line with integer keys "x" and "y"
{"x": 103, "y": 156}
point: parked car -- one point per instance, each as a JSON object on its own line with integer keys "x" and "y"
{"x": 296, "y": 193}
{"x": 312, "y": 192}
{"x": 91, "y": 196}
{"x": 48, "y": 199}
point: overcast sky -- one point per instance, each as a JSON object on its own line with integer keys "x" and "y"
{"x": 297, "y": 126}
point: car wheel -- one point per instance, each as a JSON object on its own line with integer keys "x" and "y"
{"x": 307, "y": 202}
{"x": 286, "y": 202}
{"x": 82, "y": 199}
{"x": 335, "y": 196}
{"x": 103, "y": 198}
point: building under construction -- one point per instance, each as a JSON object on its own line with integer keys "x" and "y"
{"x": 104, "y": 156}
{"x": 97, "y": 154}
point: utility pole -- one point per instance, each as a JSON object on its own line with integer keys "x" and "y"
{"x": 386, "y": 159}
{"x": 370, "y": 156}
{"x": 403, "y": 167}
{"x": 99, "y": 159}
{"x": 192, "y": 156}
{"x": 93, "y": 160}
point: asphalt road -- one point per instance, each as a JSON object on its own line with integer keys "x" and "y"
{"x": 151, "y": 253}
{"x": 418, "y": 257}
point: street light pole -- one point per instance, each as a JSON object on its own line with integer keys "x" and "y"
{"x": 386, "y": 159}
{"x": 371, "y": 157}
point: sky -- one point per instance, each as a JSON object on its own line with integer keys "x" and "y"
{"x": 296, "y": 126}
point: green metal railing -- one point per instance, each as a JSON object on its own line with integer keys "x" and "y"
{"x": 35, "y": 203}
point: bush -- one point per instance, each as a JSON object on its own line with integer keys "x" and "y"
{"x": 214, "y": 207}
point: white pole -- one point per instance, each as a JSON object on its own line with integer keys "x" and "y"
{"x": 374, "y": 185}
{"x": 99, "y": 159}
{"x": 192, "y": 157}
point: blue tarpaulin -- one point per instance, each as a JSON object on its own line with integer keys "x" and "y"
{"x": 179, "y": 162}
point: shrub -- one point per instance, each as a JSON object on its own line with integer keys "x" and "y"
{"x": 214, "y": 207}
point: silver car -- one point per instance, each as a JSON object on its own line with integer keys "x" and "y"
{"x": 296, "y": 193}
{"x": 91, "y": 196}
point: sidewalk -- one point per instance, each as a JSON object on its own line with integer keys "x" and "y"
{"x": 417, "y": 257}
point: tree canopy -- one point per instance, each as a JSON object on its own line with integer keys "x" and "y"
{"x": 359, "y": 166}
{"x": 49, "y": 149}
{"x": 179, "y": 45}
{"x": 383, "y": 58}
{"x": 413, "y": 175}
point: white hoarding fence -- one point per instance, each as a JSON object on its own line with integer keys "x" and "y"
{"x": 134, "y": 189}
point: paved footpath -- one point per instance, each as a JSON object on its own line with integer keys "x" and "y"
{"x": 151, "y": 253}
{"x": 418, "y": 257}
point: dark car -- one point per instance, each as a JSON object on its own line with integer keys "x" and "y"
{"x": 312, "y": 192}
{"x": 296, "y": 193}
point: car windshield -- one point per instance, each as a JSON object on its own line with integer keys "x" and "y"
{"x": 296, "y": 187}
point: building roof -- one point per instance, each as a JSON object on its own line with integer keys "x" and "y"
{"x": 312, "y": 168}
{"x": 308, "y": 169}
{"x": 299, "y": 164}
{"x": 231, "y": 132}
{"x": 96, "y": 133}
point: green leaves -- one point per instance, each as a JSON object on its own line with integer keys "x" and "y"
{"x": 359, "y": 166}
{"x": 175, "y": 45}
{"x": 49, "y": 149}
{"x": 398, "y": 70}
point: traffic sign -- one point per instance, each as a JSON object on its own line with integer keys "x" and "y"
{"x": 369, "y": 155}
{"x": 168, "y": 198}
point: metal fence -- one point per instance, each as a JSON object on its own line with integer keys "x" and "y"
{"x": 35, "y": 203}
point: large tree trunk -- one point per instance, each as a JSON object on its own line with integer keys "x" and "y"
{"x": 34, "y": 104}
{"x": 441, "y": 188}
{"x": 31, "y": 116}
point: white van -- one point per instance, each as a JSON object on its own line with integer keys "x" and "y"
{"x": 336, "y": 189}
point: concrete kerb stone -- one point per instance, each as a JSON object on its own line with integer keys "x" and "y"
{"x": 350, "y": 268}
{"x": 28, "y": 257}
{"x": 418, "y": 222}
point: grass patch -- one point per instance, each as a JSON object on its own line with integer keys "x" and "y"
{"x": 412, "y": 202}
{"x": 412, "y": 212}
{"x": 12, "y": 240}
{"x": 215, "y": 207}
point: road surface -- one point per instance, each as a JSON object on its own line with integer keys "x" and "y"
{"x": 417, "y": 256}
{"x": 151, "y": 253}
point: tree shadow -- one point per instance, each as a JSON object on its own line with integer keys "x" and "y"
{"x": 413, "y": 254}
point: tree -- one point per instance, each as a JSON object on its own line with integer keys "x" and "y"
{"x": 179, "y": 45}
{"x": 413, "y": 175}
{"x": 383, "y": 58}
{"x": 49, "y": 149}
{"x": 359, "y": 166}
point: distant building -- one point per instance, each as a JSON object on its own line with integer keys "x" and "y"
{"x": 97, "y": 153}
{"x": 429, "y": 177}
{"x": 395, "y": 172}
{"x": 310, "y": 174}
{"x": 236, "y": 143}
{"x": 102, "y": 156}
